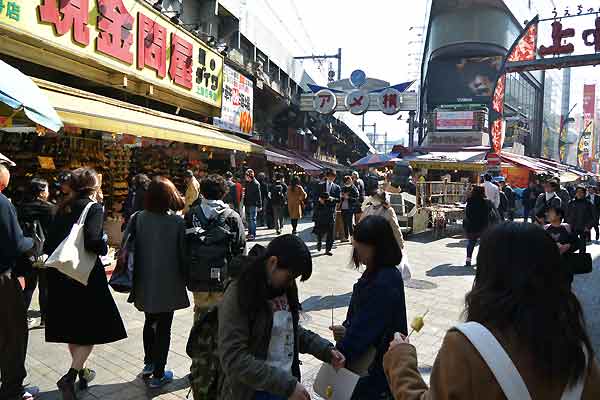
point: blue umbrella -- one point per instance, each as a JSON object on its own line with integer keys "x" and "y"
{"x": 18, "y": 91}
{"x": 375, "y": 159}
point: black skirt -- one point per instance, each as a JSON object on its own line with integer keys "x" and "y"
{"x": 79, "y": 314}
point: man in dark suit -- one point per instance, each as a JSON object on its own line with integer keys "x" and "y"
{"x": 595, "y": 200}
{"x": 335, "y": 193}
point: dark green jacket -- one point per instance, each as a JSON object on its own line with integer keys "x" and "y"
{"x": 243, "y": 349}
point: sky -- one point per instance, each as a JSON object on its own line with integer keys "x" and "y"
{"x": 372, "y": 38}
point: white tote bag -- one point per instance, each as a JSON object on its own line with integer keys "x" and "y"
{"x": 70, "y": 257}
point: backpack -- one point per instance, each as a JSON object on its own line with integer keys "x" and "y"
{"x": 277, "y": 194}
{"x": 206, "y": 375}
{"x": 209, "y": 247}
{"x": 36, "y": 233}
{"x": 493, "y": 214}
{"x": 231, "y": 196}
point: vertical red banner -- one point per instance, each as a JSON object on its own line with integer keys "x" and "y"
{"x": 589, "y": 115}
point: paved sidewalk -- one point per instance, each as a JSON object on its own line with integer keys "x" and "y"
{"x": 439, "y": 285}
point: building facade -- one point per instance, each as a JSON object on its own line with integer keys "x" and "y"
{"x": 465, "y": 43}
{"x": 259, "y": 45}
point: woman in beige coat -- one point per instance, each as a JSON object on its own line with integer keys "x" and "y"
{"x": 379, "y": 204}
{"x": 296, "y": 198}
{"x": 519, "y": 297}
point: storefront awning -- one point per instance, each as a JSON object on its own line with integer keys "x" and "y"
{"x": 459, "y": 160}
{"x": 91, "y": 111}
{"x": 278, "y": 158}
{"x": 18, "y": 91}
{"x": 526, "y": 162}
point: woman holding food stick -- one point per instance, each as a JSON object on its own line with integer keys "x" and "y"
{"x": 524, "y": 337}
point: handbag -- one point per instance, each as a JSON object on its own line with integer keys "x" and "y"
{"x": 70, "y": 257}
{"x": 121, "y": 279}
{"x": 578, "y": 263}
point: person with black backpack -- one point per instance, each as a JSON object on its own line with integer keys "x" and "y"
{"x": 35, "y": 217}
{"x": 278, "y": 195}
{"x": 214, "y": 236}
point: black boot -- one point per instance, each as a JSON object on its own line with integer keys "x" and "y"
{"x": 66, "y": 385}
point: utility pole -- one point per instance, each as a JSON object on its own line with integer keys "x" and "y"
{"x": 411, "y": 130}
{"x": 326, "y": 57}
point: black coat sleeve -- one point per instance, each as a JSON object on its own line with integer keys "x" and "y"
{"x": 93, "y": 231}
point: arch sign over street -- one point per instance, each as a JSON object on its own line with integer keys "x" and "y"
{"x": 359, "y": 94}
{"x": 563, "y": 46}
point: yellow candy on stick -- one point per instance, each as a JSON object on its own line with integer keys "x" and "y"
{"x": 418, "y": 323}
{"x": 329, "y": 392}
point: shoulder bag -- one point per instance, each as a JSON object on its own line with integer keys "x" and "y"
{"x": 503, "y": 368}
{"x": 70, "y": 257}
{"x": 121, "y": 279}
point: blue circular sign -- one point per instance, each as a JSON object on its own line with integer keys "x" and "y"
{"x": 358, "y": 78}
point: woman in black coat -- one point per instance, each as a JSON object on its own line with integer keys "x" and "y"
{"x": 476, "y": 220}
{"x": 81, "y": 316}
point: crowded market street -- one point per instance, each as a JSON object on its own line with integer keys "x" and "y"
{"x": 439, "y": 284}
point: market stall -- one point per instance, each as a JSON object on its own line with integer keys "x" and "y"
{"x": 444, "y": 202}
{"x": 460, "y": 165}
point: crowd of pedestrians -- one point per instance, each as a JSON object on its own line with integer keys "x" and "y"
{"x": 246, "y": 334}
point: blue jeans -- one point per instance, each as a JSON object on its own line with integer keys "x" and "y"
{"x": 251, "y": 213}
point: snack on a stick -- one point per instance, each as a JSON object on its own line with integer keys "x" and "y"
{"x": 329, "y": 392}
{"x": 418, "y": 323}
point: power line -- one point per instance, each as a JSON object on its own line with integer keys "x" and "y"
{"x": 283, "y": 25}
{"x": 297, "y": 12}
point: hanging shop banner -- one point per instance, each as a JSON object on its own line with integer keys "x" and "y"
{"x": 237, "y": 105}
{"x": 123, "y": 43}
{"x": 589, "y": 116}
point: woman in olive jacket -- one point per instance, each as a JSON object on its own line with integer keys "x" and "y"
{"x": 259, "y": 335}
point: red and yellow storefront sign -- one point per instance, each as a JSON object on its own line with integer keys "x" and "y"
{"x": 121, "y": 43}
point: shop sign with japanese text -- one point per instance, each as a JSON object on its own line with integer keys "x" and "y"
{"x": 582, "y": 37}
{"x": 236, "y": 110}
{"x": 125, "y": 36}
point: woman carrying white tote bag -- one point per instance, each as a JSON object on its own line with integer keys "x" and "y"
{"x": 81, "y": 310}
{"x": 70, "y": 257}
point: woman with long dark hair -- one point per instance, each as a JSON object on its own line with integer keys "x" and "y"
{"x": 80, "y": 315}
{"x": 476, "y": 220}
{"x": 259, "y": 333}
{"x": 531, "y": 318}
{"x": 377, "y": 307}
{"x": 160, "y": 271}
{"x": 296, "y": 198}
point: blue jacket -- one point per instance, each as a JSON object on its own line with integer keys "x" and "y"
{"x": 12, "y": 241}
{"x": 377, "y": 310}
